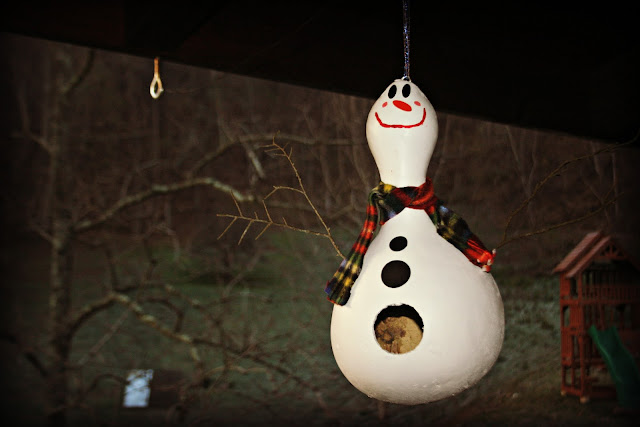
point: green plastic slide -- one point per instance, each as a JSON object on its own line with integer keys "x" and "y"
{"x": 621, "y": 365}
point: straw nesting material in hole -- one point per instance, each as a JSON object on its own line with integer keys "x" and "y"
{"x": 398, "y": 329}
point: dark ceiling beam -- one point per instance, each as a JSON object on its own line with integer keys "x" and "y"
{"x": 562, "y": 69}
{"x": 164, "y": 29}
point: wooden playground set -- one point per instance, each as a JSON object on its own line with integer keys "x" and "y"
{"x": 600, "y": 321}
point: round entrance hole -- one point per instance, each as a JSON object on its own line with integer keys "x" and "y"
{"x": 398, "y": 329}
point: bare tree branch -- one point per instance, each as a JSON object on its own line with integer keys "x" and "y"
{"x": 157, "y": 190}
{"x": 249, "y": 139}
{"x": 26, "y": 124}
{"x": 102, "y": 377}
{"x": 90, "y": 310}
{"x": 541, "y": 183}
{"x": 80, "y": 76}
{"x": 155, "y": 323}
{"x": 113, "y": 329}
{"x": 298, "y": 139}
{"x": 266, "y": 223}
{"x": 205, "y": 159}
{"x": 28, "y": 354}
{"x": 561, "y": 224}
{"x": 248, "y": 268}
{"x": 163, "y": 300}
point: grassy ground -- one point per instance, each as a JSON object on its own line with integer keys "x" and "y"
{"x": 279, "y": 314}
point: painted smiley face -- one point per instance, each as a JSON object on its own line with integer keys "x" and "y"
{"x": 407, "y": 102}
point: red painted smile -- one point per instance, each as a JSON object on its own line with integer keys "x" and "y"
{"x": 384, "y": 125}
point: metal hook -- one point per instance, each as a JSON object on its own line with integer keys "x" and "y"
{"x": 156, "y": 84}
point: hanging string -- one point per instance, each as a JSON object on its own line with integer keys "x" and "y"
{"x": 405, "y": 20}
{"x": 156, "y": 84}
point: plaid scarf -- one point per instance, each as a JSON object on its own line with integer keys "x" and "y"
{"x": 385, "y": 202}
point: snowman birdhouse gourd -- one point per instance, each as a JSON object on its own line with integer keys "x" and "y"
{"x": 418, "y": 316}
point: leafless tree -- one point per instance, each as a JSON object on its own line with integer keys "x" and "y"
{"x": 127, "y": 175}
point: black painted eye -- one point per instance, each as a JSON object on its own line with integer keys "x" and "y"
{"x": 392, "y": 91}
{"x": 398, "y": 243}
{"x": 395, "y": 274}
{"x": 406, "y": 90}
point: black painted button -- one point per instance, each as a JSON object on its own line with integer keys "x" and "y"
{"x": 398, "y": 243}
{"x": 395, "y": 274}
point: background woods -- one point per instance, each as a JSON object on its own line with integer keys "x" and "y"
{"x": 113, "y": 262}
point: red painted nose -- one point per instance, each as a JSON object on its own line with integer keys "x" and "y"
{"x": 402, "y": 105}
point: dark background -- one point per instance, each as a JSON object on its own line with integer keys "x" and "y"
{"x": 569, "y": 67}
{"x": 519, "y": 94}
